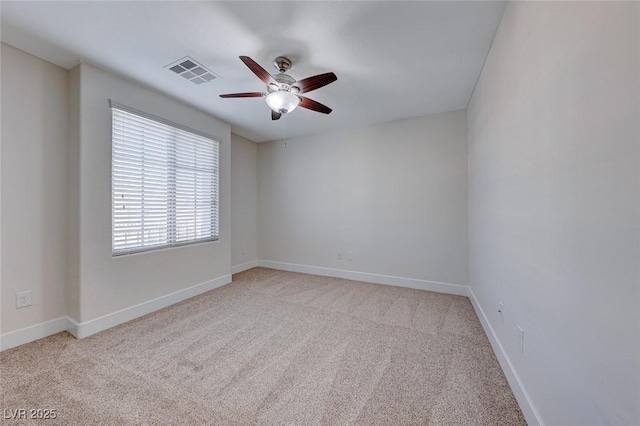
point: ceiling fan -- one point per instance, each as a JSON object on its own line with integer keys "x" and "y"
{"x": 283, "y": 92}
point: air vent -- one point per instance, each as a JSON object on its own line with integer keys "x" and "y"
{"x": 191, "y": 70}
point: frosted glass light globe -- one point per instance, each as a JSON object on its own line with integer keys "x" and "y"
{"x": 282, "y": 101}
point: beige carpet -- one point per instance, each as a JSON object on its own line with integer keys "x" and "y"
{"x": 273, "y": 348}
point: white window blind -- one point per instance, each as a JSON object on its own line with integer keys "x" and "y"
{"x": 164, "y": 183}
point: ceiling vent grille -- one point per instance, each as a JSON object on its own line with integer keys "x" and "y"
{"x": 192, "y": 70}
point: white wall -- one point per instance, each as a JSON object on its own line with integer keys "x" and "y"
{"x": 244, "y": 200}
{"x": 34, "y": 190}
{"x": 555, "y": 204}
{"x": 107, "y": 284}
{"x": 394, "y": 194}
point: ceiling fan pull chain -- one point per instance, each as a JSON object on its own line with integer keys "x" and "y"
{"x": 284, "y": 138}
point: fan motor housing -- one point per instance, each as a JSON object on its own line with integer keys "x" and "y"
{"x": 284, "y": 83}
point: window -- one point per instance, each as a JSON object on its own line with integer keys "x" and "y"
{"x": 164, "y": 183}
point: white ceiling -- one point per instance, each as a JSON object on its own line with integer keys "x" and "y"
{"x": 393, "y": 59}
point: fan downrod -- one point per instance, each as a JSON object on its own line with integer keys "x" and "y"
{"x": 282, "y": 64}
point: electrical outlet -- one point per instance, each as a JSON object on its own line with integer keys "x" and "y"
{"x": 339, "y": 255}
{"x": 501, "y": 312}
{"x": 242, "y": 252}
{"x": 23, "y": 299}
{"x": 520, "y": 339}
{"x": 350, "y": 256}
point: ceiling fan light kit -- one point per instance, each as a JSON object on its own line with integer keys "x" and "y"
{"x": 283, "y": 91}
{"x": 282, "y": 101}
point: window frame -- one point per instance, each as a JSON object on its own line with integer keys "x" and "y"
{"x": 171, "y": 194}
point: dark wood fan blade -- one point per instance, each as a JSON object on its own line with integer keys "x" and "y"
{"x": 258, "y": 70}
{"x": 275, "y": 115}
{"x": 244, "y": 95}
{"x": 313, "y": 105}
{"x": 317, "y": 81}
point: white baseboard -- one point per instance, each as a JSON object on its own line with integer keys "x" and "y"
{"x": 460, "y": 290}
{"x": 524, "y": 400}
{"x": 244, "y": 266}
{"x": 34, "y": 332}
{"x": 87, "y": 328}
